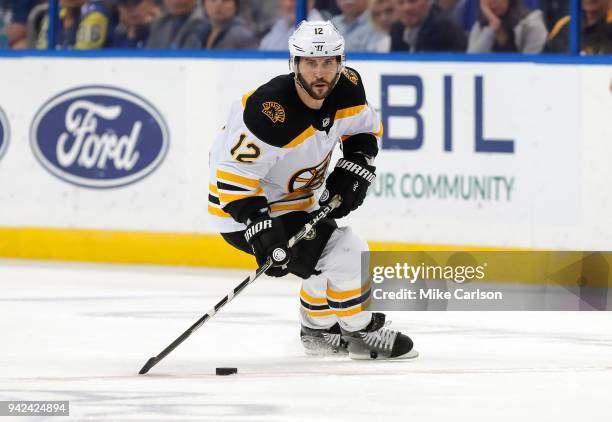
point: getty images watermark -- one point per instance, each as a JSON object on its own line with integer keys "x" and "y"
{"x": 414, "y": 273}
{"x": 460, "y": 280}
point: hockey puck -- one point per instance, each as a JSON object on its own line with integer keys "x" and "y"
{"x": 226, "y": 371}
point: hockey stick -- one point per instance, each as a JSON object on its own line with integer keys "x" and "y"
{"x": 321, "y": 214}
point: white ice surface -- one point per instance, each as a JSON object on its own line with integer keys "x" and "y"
{"x": 81, "y": 332}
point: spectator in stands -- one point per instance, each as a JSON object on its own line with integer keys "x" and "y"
{"x": 13, "y": 22}
{"x": 553, "y": 11}
{"x": 506, "y": 26}
{"x": 447, "y": 5}
{"x": 327, "y": 7}
{"x": 382, "y": 13}
{"x": 224, "y": 29}
{"x": 135, "y": 16}
{"x": 259, "y": 15}
{"x": 595, "y": 30}
{"x": 82, "y": 25}
{"x": 96, "y": 24}
{"x": 67, "y": 25}
{"x": 465, "y": 13}
{"x": 179, "y": 27}
{"x": 35, "y": 22}
{"x": 278, "y": 37}
{"x": 6, "y": 14}
{"x": 356, "y": 26}
{"x": 424, "y": 26}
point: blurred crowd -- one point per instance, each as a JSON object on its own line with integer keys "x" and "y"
{"x": 474, "y": 26}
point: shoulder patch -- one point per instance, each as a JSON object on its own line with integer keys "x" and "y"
{"x": 274, "y": 111}
{"x": 351, "y": 75}
{"x": 275, "y": 114}
{"x": 349, "y": 91}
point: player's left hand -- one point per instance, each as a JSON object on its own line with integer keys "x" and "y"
{"x": 350, "y": 179}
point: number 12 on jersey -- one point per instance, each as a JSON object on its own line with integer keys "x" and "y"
{"x": 245, "y": 153}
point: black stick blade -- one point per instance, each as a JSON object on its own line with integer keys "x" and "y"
{"x": 150, "y": 364}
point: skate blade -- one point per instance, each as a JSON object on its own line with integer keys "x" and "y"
{"x": 325, "y": 353}
{"x": 410, "y": 355}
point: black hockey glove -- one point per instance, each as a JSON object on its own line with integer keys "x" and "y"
{"x": 267, "y": 238}
{"x": 350, "y": 179}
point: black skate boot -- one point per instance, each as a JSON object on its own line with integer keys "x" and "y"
{"x": 378, "y": 342}
{"x": 323, "y": 342}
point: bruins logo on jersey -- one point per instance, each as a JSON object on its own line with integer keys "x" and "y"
{"x": 311, "y": 178}
{"x": 351, "y": 76}
{"x": 274, "y": 111}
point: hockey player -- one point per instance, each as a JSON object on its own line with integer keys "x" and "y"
{"x": 265, "y": 166}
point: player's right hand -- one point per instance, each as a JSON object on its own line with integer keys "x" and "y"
{"x": 267, "y": 238}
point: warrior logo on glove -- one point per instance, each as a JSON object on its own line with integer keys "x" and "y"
{"x": 357, "y": 169}
{"x": 350, "y": 179}
{"x": 256, "y": 228}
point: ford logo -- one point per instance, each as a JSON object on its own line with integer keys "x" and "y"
{"x": 4, "y": 133}
{"x": 99, "y": 137}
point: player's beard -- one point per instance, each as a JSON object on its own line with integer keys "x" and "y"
{"x": 310, "y": 88}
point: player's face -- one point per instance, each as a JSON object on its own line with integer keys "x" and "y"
{"x": 318, "y": 74}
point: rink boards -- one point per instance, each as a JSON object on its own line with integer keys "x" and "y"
{"x": 106, "y": 159}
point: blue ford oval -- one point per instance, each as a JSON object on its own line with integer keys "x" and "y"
{"x": 4, "y": 132}
{"x": 99, "y": 137}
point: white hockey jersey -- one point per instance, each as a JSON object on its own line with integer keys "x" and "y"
{"x": 274, "y": 151}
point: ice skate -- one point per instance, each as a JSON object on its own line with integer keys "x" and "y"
{"x": 378, "y": 342}
{"x": 323, "y": 342}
